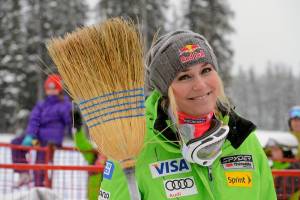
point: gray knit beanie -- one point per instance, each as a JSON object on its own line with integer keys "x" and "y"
{"x": 171, "y": 54}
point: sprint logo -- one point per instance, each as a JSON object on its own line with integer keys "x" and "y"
{"x": 239, "y": 179}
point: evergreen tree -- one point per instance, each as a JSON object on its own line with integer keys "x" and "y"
{"x": 155, "y": 19}
{"x": 239, "y": 91}
{"x": 148, "y": 13}
{"x": 25, "y": 27}
{"x": 253, "y": 96}
{"x": 11, "y": 67}
{"x": 46, "y": 19}
{"x": 176, "y": 21}
{"x": 211, "y": 19}
{"x": 266, "y": 99}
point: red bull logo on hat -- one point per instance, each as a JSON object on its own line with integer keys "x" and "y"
{"x": 191, "y": 52}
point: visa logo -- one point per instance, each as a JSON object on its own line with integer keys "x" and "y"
{"x": 168, "y": 167}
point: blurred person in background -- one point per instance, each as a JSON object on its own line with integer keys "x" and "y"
{"x": 89, "y": 153}
{"x": 48, "y": 122}
{"x": 276, "y": 150}
{"x": 278, "y": 153}
{"x": 294, "y": 125}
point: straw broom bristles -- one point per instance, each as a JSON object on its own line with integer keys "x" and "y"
{"x": 102, "y": 67}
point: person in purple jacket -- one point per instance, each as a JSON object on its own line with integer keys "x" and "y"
{"x": 48, "y": 122}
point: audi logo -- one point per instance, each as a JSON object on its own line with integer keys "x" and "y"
{"x": 178, "y": 184}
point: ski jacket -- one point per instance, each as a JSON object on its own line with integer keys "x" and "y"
{"x": 85, "y": 146}
{"x": 50, "y": 119}
{"x": 240, "y": 172}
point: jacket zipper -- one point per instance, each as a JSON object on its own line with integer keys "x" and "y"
{"x": 210, "y": 177}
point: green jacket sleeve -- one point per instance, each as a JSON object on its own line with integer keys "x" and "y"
{"x": 114, "y": 185}
{"x": 266, "y": 178}
{"x": 85, "y": 146}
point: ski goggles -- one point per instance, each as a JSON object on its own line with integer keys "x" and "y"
{"x": 205, "y": 149}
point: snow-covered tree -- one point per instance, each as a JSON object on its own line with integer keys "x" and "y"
{"x": 11, "y": 67}
{"x": 24, "y": 29}
{"x": 148, "y": 13}
{"x": 238, "y": 92}
{"x": 265, "y": 99}
{"x": 46, "y": 19}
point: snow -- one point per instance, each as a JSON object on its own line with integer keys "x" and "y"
{"x": 6, "y": 137}
{"x": 277, "y": 137}
{"x": 6, "y": 59}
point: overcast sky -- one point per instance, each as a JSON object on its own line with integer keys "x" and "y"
{"x": 266, "y": 30}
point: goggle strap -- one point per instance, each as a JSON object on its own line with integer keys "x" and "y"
{"x": 214, "y": 126}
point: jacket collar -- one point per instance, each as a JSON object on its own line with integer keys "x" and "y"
{"x": 52, "y": 98}
{"x": 239, "y": 128}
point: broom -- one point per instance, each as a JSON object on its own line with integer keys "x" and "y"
{"x": 103, "y": 69}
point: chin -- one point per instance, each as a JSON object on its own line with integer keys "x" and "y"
{"x": 197, "y": 110}
{"x": 196, "y": 113}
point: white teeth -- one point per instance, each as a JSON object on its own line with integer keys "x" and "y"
{"x": 201, "y": 97}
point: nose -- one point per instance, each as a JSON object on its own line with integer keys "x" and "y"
{"x": 198, "y": 83}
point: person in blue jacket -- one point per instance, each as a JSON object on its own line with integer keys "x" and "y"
{"x": 48, "y": 122}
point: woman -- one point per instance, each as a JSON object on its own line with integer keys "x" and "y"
{"x": 196, "y": 146}
{"x": 48, "y": 122}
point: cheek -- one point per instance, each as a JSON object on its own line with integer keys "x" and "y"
{"x": 180, "y": 91}
{"x": 215, "y": 84}
{"x": 180, "y": 94}
{"x": 296, "y": 124}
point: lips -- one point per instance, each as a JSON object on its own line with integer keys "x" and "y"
{"x": 201, "y": 97}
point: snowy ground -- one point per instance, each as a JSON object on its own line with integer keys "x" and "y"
{"x": 68, "y": 185}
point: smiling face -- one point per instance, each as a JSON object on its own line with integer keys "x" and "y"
{"x": 196, "y": 89}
